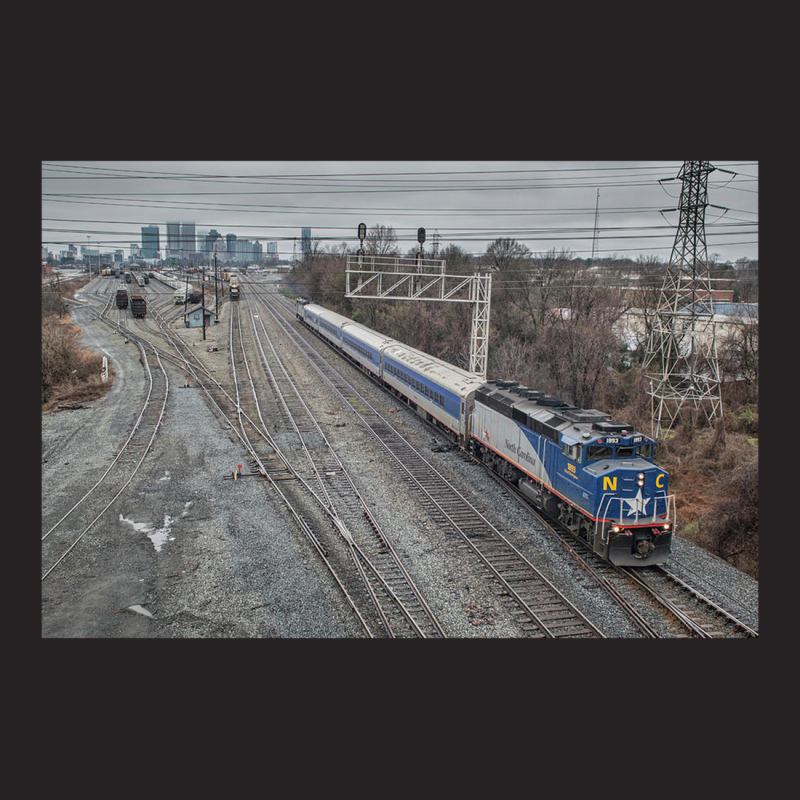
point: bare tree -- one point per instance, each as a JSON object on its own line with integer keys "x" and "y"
{"x": 737, "y": 350}
{"x": 577, "y": 344}
{"x": 381, "y": 241}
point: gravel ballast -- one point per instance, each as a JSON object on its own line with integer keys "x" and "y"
{"x": 188, "y": 552}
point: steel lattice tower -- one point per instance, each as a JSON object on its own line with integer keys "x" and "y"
{"x": 681, "y": 357}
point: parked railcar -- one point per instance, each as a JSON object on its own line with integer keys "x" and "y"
{"x": 122, "y": 296}
{"x": 138, "y": 305}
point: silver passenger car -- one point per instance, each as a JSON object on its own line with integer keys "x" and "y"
{"x": 442, "y": 390}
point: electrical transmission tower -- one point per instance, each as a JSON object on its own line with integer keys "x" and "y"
{"x": 681, "y": 357}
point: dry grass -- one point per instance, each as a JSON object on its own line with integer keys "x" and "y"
{"x": 70, "y": 374}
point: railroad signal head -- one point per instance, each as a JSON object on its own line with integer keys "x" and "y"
{"x": 421, "y": 235}
{"x": 362, "y": 231}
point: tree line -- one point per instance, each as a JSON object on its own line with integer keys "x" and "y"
{"x": 557, "y": 321}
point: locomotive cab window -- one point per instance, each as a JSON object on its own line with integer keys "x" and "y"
{"x": 572, "y": 451}
{"x": 597, "y": 452}
{"x": 644, "y": 450}
{"x": 625, "y": 452}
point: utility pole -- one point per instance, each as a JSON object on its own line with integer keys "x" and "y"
{"x": 594, "y": 237}
{"x": 216, "y": 299}
{"x": 681, "y": 358}
{"x": 203, "y": 296}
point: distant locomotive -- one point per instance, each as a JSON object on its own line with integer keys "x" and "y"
{"x": 595, "y": 476}
{"x": 122, "y": 296}
{"x": 234, "y": 291}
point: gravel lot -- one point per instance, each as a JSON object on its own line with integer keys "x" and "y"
{"x": 186, "y": 552}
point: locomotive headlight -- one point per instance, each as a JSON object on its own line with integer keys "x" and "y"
{"x": 640, "y": 479}
{"x": 616, "y": 529}
{"x": 666, "y": 526}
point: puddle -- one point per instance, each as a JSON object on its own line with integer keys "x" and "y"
{"x": 158, "y": 536}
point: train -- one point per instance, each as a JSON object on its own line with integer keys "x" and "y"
{"x": 594, "y": 476}
{"x": 122, "y": 296}
{"x": 234, "y": 291}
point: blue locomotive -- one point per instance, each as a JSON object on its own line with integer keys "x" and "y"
{"x": 595, "y": 476}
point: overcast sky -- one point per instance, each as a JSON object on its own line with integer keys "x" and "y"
{"x": 542, "y": 204}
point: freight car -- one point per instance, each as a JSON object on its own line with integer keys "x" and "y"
{"x": 596, "y": 477}
{"x": 122, "y": 296}
{"x": 138, "y": 305}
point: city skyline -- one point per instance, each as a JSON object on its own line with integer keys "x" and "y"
{"x": 611, "y": 208}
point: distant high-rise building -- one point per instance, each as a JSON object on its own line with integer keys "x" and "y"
{"x": 150, "y": 241}
{"x": 173, "y": 238}
{"x": 188, "y": 239}
{"x": 209, "y": 241}
{"x": 305, "y": 242}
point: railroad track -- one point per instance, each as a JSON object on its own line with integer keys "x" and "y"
{"x": 65, "y": 535}
{"x": 687, "y": 611}
{"x": 399, "y": 604}
{"x": 696, "y": 613}
{"x": 540, "y": 610}
{"x": 399, "y": 608}
{"x": 691, "y": 612}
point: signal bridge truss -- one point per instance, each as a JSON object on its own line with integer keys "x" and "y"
{"x": 390, "y": 278}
